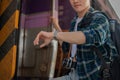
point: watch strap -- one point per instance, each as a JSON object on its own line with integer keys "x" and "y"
{"x": 55, "y": 35}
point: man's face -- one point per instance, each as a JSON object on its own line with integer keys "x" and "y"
{"x": 80, "y": 5}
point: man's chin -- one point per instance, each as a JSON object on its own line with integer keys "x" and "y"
{"x": 78, "y": 9}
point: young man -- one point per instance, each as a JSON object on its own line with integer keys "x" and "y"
{"x": 86, "y": 30}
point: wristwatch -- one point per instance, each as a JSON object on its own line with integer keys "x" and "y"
{"x": 55, "y": 35}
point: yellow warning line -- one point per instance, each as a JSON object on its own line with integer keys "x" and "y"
{"x": 8, "y": 64}
{"x": 10, "y": 25}
{"x": 3, "y": 5}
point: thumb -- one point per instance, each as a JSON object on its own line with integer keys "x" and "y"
{"x": 42, "y": 45}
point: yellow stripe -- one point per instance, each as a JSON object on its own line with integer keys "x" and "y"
{"x": 10, "y": 25}
{"x": 3, "y": 5}
{"x": 8, "y": 64}
{"x": 16, "y": 19}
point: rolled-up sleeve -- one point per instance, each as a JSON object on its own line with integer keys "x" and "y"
{"x": 97, "y": 31}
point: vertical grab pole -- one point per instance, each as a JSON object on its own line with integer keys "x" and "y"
{"x": 54, "y": 43}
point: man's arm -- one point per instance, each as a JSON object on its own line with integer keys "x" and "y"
{"x": 72, "y": 37}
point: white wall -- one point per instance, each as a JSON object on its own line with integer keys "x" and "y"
{"x": 116, "y": 6}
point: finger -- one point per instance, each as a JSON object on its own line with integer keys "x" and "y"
{"x": 50, "y": 20}
{"x": 43, "y": 45}
{"x": 53, "y": 19}
{"x": 36, "y": 41}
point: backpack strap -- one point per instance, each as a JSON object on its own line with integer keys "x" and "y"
{"x": 95, "y": 48}
{"x": 112, "y": 22}
{"x": 88, "y": 18}
{"x": 98, "y": 52}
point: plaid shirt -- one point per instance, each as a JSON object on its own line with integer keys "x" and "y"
{"x": 96, "y": 29}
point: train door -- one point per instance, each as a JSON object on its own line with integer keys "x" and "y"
{"x": 35, "y": 63}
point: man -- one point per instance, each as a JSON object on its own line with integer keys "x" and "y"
{"x": 87, "y": 29}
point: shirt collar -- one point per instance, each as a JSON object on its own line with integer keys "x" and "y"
{"x": 85, "y": 16}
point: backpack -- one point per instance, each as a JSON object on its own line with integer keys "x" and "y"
{"x": 110, "y": 71}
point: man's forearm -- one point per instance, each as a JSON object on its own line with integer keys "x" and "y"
{"x": 72, "y": 37}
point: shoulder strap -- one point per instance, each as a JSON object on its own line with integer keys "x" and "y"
{"x": 88, "y": 18}
{"x": 94, "y": 48}
{"x": 114, "y": 30}
{"x": 69, "y": 53}
{"x": 99, "y": 54}
{"x": 96, "y": 11}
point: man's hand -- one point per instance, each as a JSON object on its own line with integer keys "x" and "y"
{"x": 56, "y": 24}
{"x": 45, "y": 36}
{"x": 54, "y": 21}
